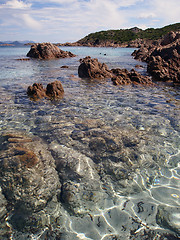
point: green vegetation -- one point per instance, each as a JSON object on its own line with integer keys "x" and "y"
{"x": 126, "y": 35}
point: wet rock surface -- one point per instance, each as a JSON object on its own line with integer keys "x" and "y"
{"x": 29, "y": 181}
{"x": 92, "y": 68}
{"x": 67, "y": 186}
{"x": 163, "y": 58}
{"x": 47, "y": 51}
{"x": 36, "y": 91}
{"x": 53, "y": 90}
{"x": 125, "y": 77}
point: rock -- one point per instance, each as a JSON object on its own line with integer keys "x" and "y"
{"x": 138, "y": 66}
{"x": 23, "y": 59}
{"x": 29, "y": 181}
{"x": 92, "y": 68}
{"x": 36, "y": 91}
{"x": 64, "y": 66}
{"x": 55, "y": 89}
{"x": 163, "y": 59}
{"x": 124, "y": 77}
{"x": 168, "y": 217}
{"x": 47, "y": 51}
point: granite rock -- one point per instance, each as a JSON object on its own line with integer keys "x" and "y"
{"x": 92, "y": 68}
{"x": 47, "y": 51}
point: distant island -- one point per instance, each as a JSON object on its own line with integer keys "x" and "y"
{"x": 15, "y": 43}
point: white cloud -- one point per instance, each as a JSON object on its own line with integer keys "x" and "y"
{"x": 30, "y": 22}
{"x": 15, "y": 4}
{"x": 70, "y": 20}
{"x": 147, "y": 15}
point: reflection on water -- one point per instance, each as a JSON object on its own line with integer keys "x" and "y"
{"x": 118, "y": 146}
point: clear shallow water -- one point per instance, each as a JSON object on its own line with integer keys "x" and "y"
{"x": 152, "y": 114}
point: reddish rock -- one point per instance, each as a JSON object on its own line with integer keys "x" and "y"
{"x": 124, "y": 77}
{"x": 92, "y": 68}
{"x": 36, "y": 91}
{"x": 54, "y": 89}
{"x": 47, "y": 51}
{"x": 163, "y": 59}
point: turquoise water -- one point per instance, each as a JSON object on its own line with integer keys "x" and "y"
{"x": 151, "y": 114}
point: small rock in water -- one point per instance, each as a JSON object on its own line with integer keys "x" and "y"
{"x": 53, "y": 90}
{"x": 47, "y": 51}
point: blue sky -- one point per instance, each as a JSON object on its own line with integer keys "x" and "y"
{"x": 70, "y": 20}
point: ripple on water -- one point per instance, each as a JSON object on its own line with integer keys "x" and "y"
{"x": 147, "y": 196}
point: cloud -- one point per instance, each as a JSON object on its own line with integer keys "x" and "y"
{"x": 70, "y": 20}
{"x": 30, "y": 22}
{"x": 15, "y": 4}
{"x": 147, "y": 15}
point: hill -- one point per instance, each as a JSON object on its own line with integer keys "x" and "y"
{"x": 122, "y": 36}
{"x": 15, "y": 43}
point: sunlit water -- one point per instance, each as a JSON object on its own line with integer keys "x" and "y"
{"x": 153, "y": 111}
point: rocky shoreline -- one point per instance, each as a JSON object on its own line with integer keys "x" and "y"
{"x": 163, "y": 58}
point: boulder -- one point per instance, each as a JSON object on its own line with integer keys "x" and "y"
{"x": 36, "y": 91}
{"x": 92, "y": 68}
{"x": 53, "y": 90}
{"x": 47, "y": 51}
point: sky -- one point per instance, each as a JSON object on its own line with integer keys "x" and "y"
{"x": 60, "y": 21}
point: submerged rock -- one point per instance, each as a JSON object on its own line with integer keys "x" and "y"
{"x": 169, "y": 217}
{"x": 92, "y": 68}
{"x": 47, "y": 51}
{"x": 29, "y": 181}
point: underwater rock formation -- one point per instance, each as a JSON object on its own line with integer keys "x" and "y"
{"x": 28, "y": 180}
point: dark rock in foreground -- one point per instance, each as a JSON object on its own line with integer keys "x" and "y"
{"x": 163, "y": 59}
{"x": 29, "y": 181}
{"x": 36, "y": 91}
{"x": 47, "y": 51}
{"x": 53, "y": 90}
{"x": 92, "y": 68}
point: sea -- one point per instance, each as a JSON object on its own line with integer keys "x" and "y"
{"x": 151, "y": 113}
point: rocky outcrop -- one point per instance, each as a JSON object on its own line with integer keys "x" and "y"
{"x": 53, "y": 90}
{"x": 125, "y": 77}
{"x": 163, "y": 59}
{"x": 28, "y": 180}
{"x": 47, "y": 51}
{"x": 92, "y": 68}
{"x": 36, "y": 91}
